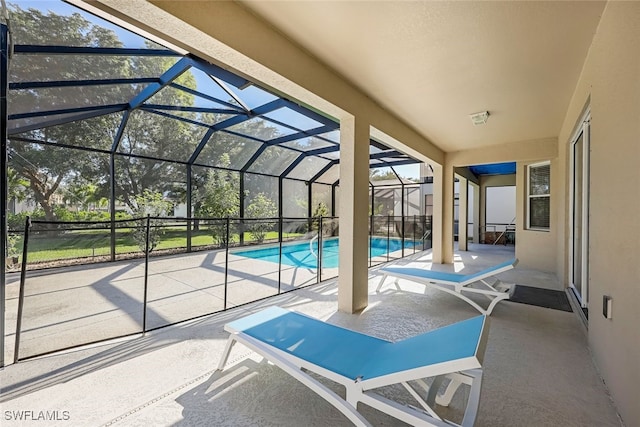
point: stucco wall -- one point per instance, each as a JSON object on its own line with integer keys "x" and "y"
{"x": 537, "y": 249}
{"x": 534, "y": 249}
{"x": 610, "y": 84}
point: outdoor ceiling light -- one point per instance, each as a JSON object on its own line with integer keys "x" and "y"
{"x": 479, "y": 118}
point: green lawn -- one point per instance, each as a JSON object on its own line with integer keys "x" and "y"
{"x": 88, "y": 243}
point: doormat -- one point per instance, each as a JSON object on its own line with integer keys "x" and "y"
{"x": 547, "y": 298}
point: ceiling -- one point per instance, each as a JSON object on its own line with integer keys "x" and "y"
{"x": 435, "y": 63}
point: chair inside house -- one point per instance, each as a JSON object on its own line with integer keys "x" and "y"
{"x": 455, "y": 284}
{"x": 431, "y": 366}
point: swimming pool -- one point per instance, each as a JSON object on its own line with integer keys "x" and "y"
{"x": 299, "y": 255}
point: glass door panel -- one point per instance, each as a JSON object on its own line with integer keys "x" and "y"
{"x": 578, "y": 148}
{"x": 580, "y": 214}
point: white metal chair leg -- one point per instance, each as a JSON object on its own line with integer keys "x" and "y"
{"x": 227, "y": 350}
{"x": 457, "y": 380}
{"x": 384, "y": 276}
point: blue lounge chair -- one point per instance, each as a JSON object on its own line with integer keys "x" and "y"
{"x": 361, "y": 363}
{"x": 455, "y": 284}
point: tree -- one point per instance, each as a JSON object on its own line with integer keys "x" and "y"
{"x": 16, "y": 186}
{"x": 320, "y": 211}
{"x": 261, "y": 207}
{"x": 155, "y": 136}
{"x": 149, "y": 204}
{"x": 47, "y": 168}
{"x": 82, "y": 194}
{"x": 268, "y": 162}
{"x": 378, "y": 208}
{"x": 218, "y": 199}
{"x": 379, "y": 174}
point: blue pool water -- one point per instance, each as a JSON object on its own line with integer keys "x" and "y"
{"x": 299, "y": 255}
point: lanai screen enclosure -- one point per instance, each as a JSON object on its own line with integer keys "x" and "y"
{"x": 99, "y": 116}
{"x": 112, "y": 135}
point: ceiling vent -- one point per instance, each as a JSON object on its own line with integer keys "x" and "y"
{"x": 479, "y": 118}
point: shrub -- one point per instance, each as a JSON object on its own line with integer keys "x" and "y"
{"x": 261, "y": 207}
{"x": 320, "y": 211}
{"x": 151, "y": 204}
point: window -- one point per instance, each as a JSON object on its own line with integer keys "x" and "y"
{"x": 538, "y": 196}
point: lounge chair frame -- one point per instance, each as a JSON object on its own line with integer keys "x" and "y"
{"x": 455, "y": 284}
{"x": 466, "y": 371}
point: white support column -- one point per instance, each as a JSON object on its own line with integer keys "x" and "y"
{"x": 476, "y": 212}
{"x": 443, "y": 196}
{"x": 436, "y": 220}
{"x": 463, "y": 209}
{"x": 448, "y": 196}
{"x": 353, "y": 285}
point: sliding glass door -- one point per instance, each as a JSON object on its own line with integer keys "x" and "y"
{"x": 580, "y": 213}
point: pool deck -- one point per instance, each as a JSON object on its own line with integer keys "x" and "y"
{"x": 69, "y": 306}
{"x": 538, "y": 369}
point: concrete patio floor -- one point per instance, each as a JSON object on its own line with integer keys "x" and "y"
{"x": 538, "y": 369}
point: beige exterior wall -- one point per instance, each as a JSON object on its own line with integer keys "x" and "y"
{"x": 528, "y": 242}
{"x": 610, "y": 84}
{"x": 537, "y": 249}
{"x": 534, "y": 249}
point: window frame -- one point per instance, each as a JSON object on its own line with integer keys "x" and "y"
{"x": 532, "y": 196}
